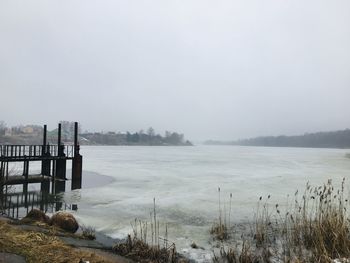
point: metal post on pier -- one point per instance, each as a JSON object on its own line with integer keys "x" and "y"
{"x": 45, "y": 163}
{"x": 59, "y": 135}
{"x": 77, "y": 162}
{"x": 1, "y": 187}
{"x": 25, "y": 184}
{"x": 61, "y": 163}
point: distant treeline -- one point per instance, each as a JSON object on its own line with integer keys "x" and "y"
{"x": 137, "y": 138}
{"x": 334, "y": 139}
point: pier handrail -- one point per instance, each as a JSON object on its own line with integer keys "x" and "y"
{"x": 16, "y": 151}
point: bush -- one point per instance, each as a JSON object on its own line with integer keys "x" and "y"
{"x": 65, "y": 221}
{"x": 88, "y": 233}
{"x": 36, "y": 215}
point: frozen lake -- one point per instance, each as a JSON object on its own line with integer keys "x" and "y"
{"x": 184, "y": 181}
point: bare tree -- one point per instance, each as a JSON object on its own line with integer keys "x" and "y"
{"x": 150, "y": 132}
{"x": 2, "y": 127}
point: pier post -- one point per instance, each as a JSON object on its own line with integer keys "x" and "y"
{"x": 44, "y": 139}
{"x": 77, "y": 163}
{"x": 1, "y": 187}
{"x": 61, "y": 163}
{"x": 46, "y": 170}
{"x": 2, "y": 177}
{"x": 25, "y": 184}
{"x": 53, "y": 172}
{"x": 60, "y": 179}
{"x": 59, "y": 135}
{"x": 45, "y": 163}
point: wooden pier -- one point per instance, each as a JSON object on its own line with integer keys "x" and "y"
{"x": 53, "y": 160}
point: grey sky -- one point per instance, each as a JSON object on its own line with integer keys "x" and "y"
{"x": 210, "y": 69}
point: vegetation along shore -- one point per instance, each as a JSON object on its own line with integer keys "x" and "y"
{"x": 312, "y": 227}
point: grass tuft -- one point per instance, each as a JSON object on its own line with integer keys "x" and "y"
{"x": 221, "y": 228}
{"x": 88, "y": 232}
{"x": 146, "y": 244}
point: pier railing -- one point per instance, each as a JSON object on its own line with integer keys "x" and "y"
{"x": 32, "y": 151}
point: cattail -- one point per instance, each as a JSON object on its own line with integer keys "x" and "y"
{"x": 158, "y": 235}
{"x": 155, "y": 221}
{"x": 220, "y": 222}
{"x": 151, "y": 227}
{"x": 141, "y": 234}
{"x": 166, "y": 235}
{"x": 229, "y": 213}
{"x": 145, "y": 233}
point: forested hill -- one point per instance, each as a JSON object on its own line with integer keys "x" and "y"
{"x": 137, "y": 138}
{"x": 334, "y": 139}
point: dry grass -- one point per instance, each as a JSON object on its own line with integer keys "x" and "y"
{"x": 222, "y": 227}
{"x": 315, "y": 228}
{"x": 233, "y": 255}
{"x": 320, "y": 224}
{"x": 140, "y": 251}
{"x": 264, "y": 225}
{"x": 219, "y": 231}
{"x": 146, "y": 244}
{"x": 36, "y": 215}
{"x": 39, "y": 247}
{"x": 88, "y": 232}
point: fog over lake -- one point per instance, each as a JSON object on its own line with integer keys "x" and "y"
{"x": 208, "y": 69}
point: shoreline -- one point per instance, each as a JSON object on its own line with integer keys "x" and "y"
{"x": 22, "y": 238}
{"x": 265, "y": 235}
{"x": 26, "y": 237}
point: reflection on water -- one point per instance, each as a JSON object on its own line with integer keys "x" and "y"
{"x": 17, "y": 202}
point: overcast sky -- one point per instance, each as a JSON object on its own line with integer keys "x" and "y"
{"x": 209, "y": 69}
